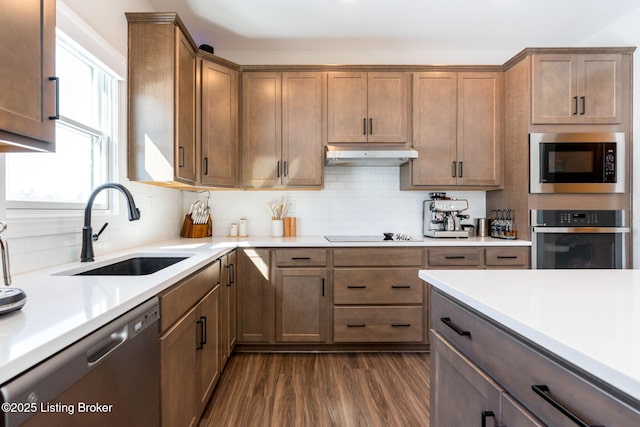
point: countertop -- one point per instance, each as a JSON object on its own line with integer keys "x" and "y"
{"x": 62, "y": 308}
{"x": 589, "y": 318}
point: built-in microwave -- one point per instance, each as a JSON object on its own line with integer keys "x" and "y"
{"x": 577, "y": 162}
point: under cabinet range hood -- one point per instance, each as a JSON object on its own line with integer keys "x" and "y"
{"x": 369, "y": 156}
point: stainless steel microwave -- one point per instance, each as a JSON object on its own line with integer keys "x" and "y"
{"x": 577, "y": 162}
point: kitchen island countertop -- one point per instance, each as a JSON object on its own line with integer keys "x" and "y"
{"x": 589, "y": 318}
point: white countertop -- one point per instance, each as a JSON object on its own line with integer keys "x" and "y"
{"x": 61, "y": 309}
{"x": 590, "y": 318}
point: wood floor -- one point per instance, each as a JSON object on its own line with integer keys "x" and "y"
{"x": 344, "y": 389}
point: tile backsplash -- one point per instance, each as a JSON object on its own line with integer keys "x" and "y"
{"x": 354, "y": 201}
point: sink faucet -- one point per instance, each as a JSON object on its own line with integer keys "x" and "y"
{"x": 4, "y": 248}
{"x": 87, "y": 232}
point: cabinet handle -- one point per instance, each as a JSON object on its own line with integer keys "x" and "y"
{"x": 232, "y": 274}
{"x": 57, "y": 115}
{"x": 285, "y": 169}
{"x": 180, "y": 156}
{"x": 206, "y": 165}
{"x": 401, "y": 325}
{"x": 300, "y": 258}
{"x": 543, "y": 391}
{"x": 356, "y": 286}
{"x": 460, "y": 168}
{"x": 575, "y": 105}
{"x": 454, "y": 257}
{"x": 323, "y": 286}
{"x": 447, "y": 321}
{"x": 507, "y": 256}
{"x": 364, "y": 126}
{"x": 356, "y": 325}
{"x": 485, "y": 415}
{"x": 370, "y": 126}
{"x": 202, "y": 321}
{"x": 400, "y": 286}
{"x": 583, "y": 99}
{"x": 453, "y": 169}
{"x": 278, "y": 169}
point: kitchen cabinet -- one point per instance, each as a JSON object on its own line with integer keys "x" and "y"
{"x": 256, "y": 297}
{"x": 28, "y": 87}
{"x": 282, "y": 129}
{"x": 478, "y": 257}
{"x": 162, "y": 100}
{"x": 218, "y": 125}
{"x": 457, "y": 129}
{"x": 189, "y": 346}
{"x": 577, "y": 88}
{"x": 378, "y": 297}
{"x": 229, "y": 288}
{"x": 368, "y": 107}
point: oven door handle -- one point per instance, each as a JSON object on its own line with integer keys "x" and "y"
{"x": 582, "y": 230}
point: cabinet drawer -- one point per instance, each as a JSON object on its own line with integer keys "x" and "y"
{"x": 377, "y": 257}
{"x": 507, "y": 257}
{"x": 377, "y": 286}
{"x": 470, "y": 257}
{"x": 377, "y": 324}
{"x": 301, "y": 257}
{"x": 517, "y": 367}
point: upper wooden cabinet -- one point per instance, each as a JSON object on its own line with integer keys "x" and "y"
{"x": 577, "y": 88}
{"x": 28, "y": 88}
{"x": 457, "y": 129}
{"x": 218, "y": 125}
{"x": 282, "y": 129}
{"x": 368, "y": 107}
{"x": 162, "y": 99}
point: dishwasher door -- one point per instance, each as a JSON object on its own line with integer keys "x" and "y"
{"x": 109, "y": 378}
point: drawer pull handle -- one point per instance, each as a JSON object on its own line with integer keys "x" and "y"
{"x": 454, "y": 257}
{"x": 356, "y": 287}
{"x": 401, "y": 325}
{"x": 507, "y": 256}
{"x": 485, "y": 415}
{"x": 401, "y": 286}
{"x": 447, "y": 321}
{"x": 356, "y": 325}
{"x": 543, "y": 391}
{"x": 300, "y": 258}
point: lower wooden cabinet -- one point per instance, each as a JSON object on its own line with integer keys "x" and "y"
{"x": 479, "y": 257}
{"x": 229, "y": 293}
{"x": 256, "y": 297}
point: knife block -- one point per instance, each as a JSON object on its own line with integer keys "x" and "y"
{"x": 191, "y": 230}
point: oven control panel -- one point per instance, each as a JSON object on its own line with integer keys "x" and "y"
{"x": 571, "y": 218}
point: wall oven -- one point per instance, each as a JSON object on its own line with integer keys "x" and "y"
{"x": 579, "y": 239}
{"x": 577, "y": 162}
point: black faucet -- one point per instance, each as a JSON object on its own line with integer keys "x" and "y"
{"x": 87, "y": 232}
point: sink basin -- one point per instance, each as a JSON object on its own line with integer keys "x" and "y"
{"x": 136, "y": 266}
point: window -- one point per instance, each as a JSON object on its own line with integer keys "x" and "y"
{"x": 84, "y": 156}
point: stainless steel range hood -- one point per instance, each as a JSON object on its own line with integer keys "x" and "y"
{"x": 370, "y": 156}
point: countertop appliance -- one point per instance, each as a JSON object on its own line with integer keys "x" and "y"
{"x": 111, "y": 377}
{"x": 579, "y": 239}
{"x": 441, "y": 216}
{"x": 577, "y": 162}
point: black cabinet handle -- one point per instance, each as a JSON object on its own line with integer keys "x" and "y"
{"x": 400, "y": 286}
{"x": 323, "y": 286}
{"x": 507, "y": 256}
{"x": 205, "y": 165}
{"x": 447, "y": 321}
{"x": 285, "y": 170}
{"x": 575, "y": 105}
{"x": 202, "y": 321}
{"x": 356, "y": 325}
{"x": 543, "y": 391}
{"x": 454, "y": 257}
{"x": 57, "y": 115}
{"x": 300, "y": 258}
{"x": 232, "y": 274}
{"x": 583, "y": 99}
{"x": 453, "y": 169}
{"x": 370, "y": 126}
{"x": 278, "y": 169}
{"x": 364, "y": 126}
{"x": 485, "y": 415}
{"x": 401, "y": 325}
{"x": 460, "y": 169}
{"x": 356, "y": 286}
{"x": 180, "y": 156}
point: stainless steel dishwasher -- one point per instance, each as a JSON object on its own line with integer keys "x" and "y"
{"x": 111, "y": 377}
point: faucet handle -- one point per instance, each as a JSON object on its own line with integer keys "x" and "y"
{"x": 96, "y": 236}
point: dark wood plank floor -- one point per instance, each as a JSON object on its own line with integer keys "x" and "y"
{"x": 343, "y": 389}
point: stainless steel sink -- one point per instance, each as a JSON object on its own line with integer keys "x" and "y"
{"x": 137, "y": 266}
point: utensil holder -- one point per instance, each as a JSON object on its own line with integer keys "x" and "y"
{"x": 191, "y": 230}
{"x": 277, "y": 228}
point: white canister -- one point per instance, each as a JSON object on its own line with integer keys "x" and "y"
{"x": 242, "y": 227}
{"x": 233, "y": 230}
{"x": 277, "y": 228}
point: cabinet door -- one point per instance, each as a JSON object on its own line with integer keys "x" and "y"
{"x": 434, "y": 128}
{"x": 301, "y": 305}
{"x": 27, "y": 55}
{"x": 461, "y": 394}
{"x": 261, "y": 129}
{"x": 302, "y": 148}
{"x": 229, "y": 297}
{"x": 347, "y": 107}
{"x": 479, "y": 148}
{"x": 256, "y": 297}
{"x": 208, "y": 347}
{"x": 387, "y": 107}
{"x": 185, "y": 146}
{"x": 600, "y": 88}
{"x": 555, "y": 89}
{"x": 219, "y": 151}
{"x": 178, "y": 372}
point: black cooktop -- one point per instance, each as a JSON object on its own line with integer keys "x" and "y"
{"x": 388, "y": 237}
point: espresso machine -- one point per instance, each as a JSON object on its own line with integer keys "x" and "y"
{"x": 442, "y": 215}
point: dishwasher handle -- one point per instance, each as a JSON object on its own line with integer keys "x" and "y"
{"x": 101, "y": 350}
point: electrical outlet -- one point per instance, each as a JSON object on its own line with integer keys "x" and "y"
{"x": 291, "y": 207}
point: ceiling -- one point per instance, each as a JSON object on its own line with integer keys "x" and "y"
{"x": 393, "y": 25}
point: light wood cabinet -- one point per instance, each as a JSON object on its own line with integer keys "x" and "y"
{"x": 479, "y": 257}
{"x": 28, "y": 87}
{"x": 218, "y": 125}
{"x": 189, "y": 346}
{"x": 162, "y": 100}
{"x": 457, "y": 129}
{"x": 368, "y": 107}
{"x": 256, "y": 297}
{"x": 229, "y": 322}
{"x": 282, "y": 129}
{"x": 577, "y": 88}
